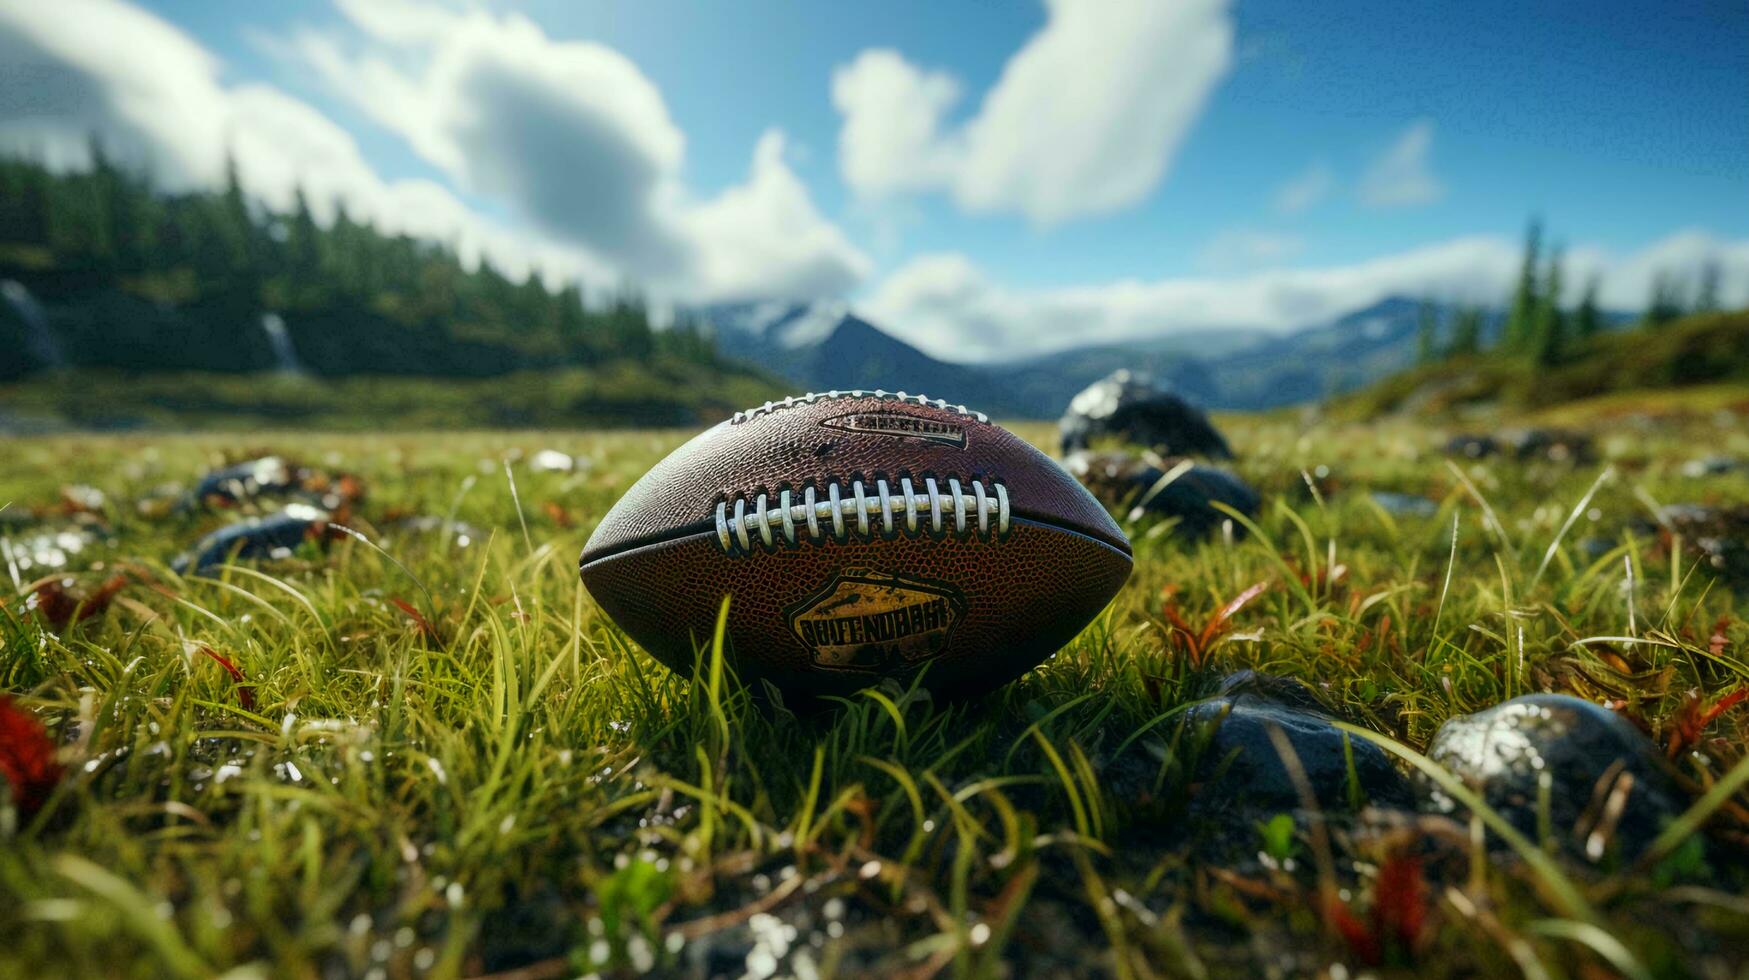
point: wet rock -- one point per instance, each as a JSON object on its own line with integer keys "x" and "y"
{"x": 1131, "y": 484}
{"x": 1588, "y": 754}
{"x": 1241, "y": 714}
{"x": 247, "y": 480}
{"x": 1404, "y": 504}
{"x": 1472, "y": 446}
{"x": 1525, "y": 446}
{"x": 1549, "y": 445}
{"x": 274, "y": 476}
{"x": 1716, "y": 537}
{"x": 1129, "y": 408}
{"x": 1706, "y": 466}
{"x": 272, "y": 537}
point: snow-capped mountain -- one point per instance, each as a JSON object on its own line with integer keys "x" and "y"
{"x": 820, "y": 346}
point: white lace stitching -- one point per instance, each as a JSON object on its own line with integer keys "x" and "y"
{"x": 896, "y": 396}
{"x": 910, "y": 510}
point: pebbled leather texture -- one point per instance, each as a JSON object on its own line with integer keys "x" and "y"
{"x": 830, "y": 616}
{"x": 792, "y": 447}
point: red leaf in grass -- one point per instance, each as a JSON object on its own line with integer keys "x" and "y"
{"x": 1218, "y": 623}
{"x": 61, "y": 607}
{"x": 1718, "y": 642}
{"x": 419, "y": 620}
{"x": 1397, "y": 909}
{"x": 1691, "y": 719}
{"x": 1723, "y": 705}
{"x": 27, "y": 757}
{"x": 1360, "y": 939}
{"x": 245, "y": 692}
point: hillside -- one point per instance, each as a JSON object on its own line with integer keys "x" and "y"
{"x": 1701, "y": 349}
{"x": 822, "y": 346}
{"x": 165, "y": 302}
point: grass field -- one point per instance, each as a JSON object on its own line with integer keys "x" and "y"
{"x": 444, "y": 760}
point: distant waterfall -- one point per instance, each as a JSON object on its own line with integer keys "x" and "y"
{"x": 284, "y": 356}
{"x": 38, "y": 339}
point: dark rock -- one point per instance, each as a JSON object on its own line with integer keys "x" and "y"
{"x": 1549, "y": 445}
{"x": 1586, "y": 750}
{"x": 1404, "y": 504}
{"x": 245, "y": 481}
{"x": 1242, "y": 713}
{"x": 1249, "y": 684}
{"x": 1525, "y": 446}
{"x": 1716, "y": 537}
{"x": 1594, "y": 547}
{"x": 1706, "y": 466}
{"x": 1128, "y": 408}
{"x": 1130, "y": 484}
{"x": 274, "y": 476}
{"x": 1472, "y": 446}
{"x": 274, "y": 536}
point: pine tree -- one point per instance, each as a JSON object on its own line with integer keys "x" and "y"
{"x": 1665, "y": 303}
{"x": 303, "y": 240}
{"x": 1551, "y": 320}
{"x": 1466, "y": 332}
{"x": 1706, "y": 295}
{"x": 1587, "y": 319}
{"x": 1426, "y": 333}
{"x": 1521, "y": 319}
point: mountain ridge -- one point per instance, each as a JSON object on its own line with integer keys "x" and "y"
{"x": 1240, "y": 369}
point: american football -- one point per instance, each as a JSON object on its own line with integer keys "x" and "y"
{"x": 858, "y": 535}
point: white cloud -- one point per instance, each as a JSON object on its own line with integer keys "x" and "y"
{"x": 1239, "y": 249}
{"x": 1085, "y": 119}
{"x": 1627, "y": 281}
{"x": 945, "y": 305}
{"x": 577, "y": 142}
{"x": 1402, "y": 176}
{"x": 891, "y": 140}
{"x": 765, "y": 238}
{"x": 152, "y": 96}
{"x": 572, "y": 138}
{"x": 1305, "y": 190}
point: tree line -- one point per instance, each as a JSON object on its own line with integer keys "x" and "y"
{"x": 1538, "y": 324}
{"x": 221, "y": 254}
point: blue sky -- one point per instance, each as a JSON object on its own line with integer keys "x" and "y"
{"x": 984, "y": 178}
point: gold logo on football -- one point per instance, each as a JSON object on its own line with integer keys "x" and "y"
{"x": 873, "y": 621}
{"x": 900, "y": 426}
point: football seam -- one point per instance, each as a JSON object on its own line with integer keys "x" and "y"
{"x": 812, "y": 397}
{"x": 701, "y": 529}
{"x": 788, "y": 519}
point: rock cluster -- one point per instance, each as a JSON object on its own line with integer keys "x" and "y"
{"x": 1130, "y": 444}
{"x": 1565, "y": 772}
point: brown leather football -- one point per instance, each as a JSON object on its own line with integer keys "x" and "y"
{"x": 860, "y": 535}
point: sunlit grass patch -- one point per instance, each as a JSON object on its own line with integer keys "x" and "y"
{"x": 429, "y": 755}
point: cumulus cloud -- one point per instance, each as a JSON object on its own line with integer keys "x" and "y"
{"x": 1306, "y": 190}
{"x": 1085, "y": 119}
{"x": 578, "y": 142}
{"x": 1402, "y": 176}
{"x": 571, "y": 140}
{"x": 765, "y": 237}
{"x": 945, "y": 305}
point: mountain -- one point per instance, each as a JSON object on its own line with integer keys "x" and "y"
{"x": 819, "y": 347}
{"x": 824, "y": 346}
